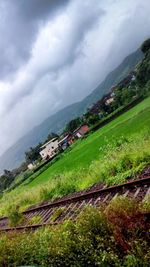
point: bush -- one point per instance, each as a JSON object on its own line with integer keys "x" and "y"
{"x": 90, "y": 241}
{"x": 15, "y": 217}
{"x": 127, "y": 222}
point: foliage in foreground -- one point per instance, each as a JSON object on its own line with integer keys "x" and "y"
{"x": 115, "y": 236}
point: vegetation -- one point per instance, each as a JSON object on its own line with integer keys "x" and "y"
{"x": 110, "y": 155}
{"x": 143, "y": 72}
{"x": 14, "y": 216}
{"x": 73, "y": 124}
{"x": 36, "y": 219}
{"x": 145, "y": 46}
{"x": 115, "y": 236}
{"x": 117, "y": 161}
{"x": 9, "y": 177}
{"x": 94, "y": 146}
{"x": 33, "y": 154}
{"x": 6, "y": 179}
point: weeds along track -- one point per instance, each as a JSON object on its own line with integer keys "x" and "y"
{"x": 68, "y": 208}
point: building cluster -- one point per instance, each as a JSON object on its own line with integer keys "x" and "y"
{"x": 50, "y": 149}
{"x": 110, "y": 97}
{"x": 127, "y": 80}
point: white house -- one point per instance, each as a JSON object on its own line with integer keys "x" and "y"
{"x": 109, "y": 101}
{"x": 49, "y": 149}
{"x": 31, "y": 166}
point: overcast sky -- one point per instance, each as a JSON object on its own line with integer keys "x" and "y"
{"x": 54, "y": 52}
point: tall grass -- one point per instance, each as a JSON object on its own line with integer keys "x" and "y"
{"x": 123, "y": 158}
{"x": 84, "y": 152}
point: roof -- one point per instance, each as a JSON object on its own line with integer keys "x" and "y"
{"x": 63, "y": 139}
{"x": 52, "y": 140}
{"x": 76, "y": 130}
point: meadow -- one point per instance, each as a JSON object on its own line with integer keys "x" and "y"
{"x": 89, "y": 149}
{"x": 110, "y": 155}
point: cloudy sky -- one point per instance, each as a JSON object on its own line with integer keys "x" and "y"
{"x": 54, "y": 52}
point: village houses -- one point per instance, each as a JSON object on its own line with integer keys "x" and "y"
{"x": 49, "y": 149}
{"x": 55, "y": 145}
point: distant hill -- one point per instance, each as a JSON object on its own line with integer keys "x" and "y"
{"x": 55, "y": 123}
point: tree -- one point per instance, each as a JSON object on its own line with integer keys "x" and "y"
{"x": 93, "y": 119}
{"x": 73, "y": 124}
{"x": 32, "y": 154}
{"x": 143, "y": 72}
{"x": 51, "y": 136}
{"x": 145, "y": 46}
{"x": 6, "y": 179}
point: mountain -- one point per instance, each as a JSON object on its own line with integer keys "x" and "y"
{"x": 55, "y": 123}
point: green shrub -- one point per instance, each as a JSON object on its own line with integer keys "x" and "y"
{"x": 15, "y": 217}
{"x": 130, "y": 261}
{"x": 90, "y": 241}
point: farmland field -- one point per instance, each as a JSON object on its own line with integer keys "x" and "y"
{"x": 110, "y": 155}
{"x": 87, "y": 150}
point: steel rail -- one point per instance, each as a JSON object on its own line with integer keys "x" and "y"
{"x": 94, "y": 193}
{"x": 74, "y": 204}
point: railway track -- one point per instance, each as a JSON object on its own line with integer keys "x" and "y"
{"x": 68, "y": 208}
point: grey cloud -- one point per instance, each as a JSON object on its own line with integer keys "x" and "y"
{"x": 68, "y": 49}
{"x": 19, "y": 25}
{"x": 37, "y": 9}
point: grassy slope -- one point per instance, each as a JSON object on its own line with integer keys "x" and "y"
{"x": 85, "y": 151}
{"x": 95, "y": 159}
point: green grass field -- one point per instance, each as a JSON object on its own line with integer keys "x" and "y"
{"x": 87, "y": 150}
{"x": 110, "y": 155}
